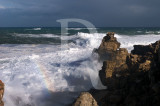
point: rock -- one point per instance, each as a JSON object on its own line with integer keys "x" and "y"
{"x": 99, "y": 96}
{"x": 141, "y": 49}
{"x": 120, "y": 57}
{"x": 132, "y": 60}
{"x": 146, "y": 66}
{"x": 108, "y": 66}
{"x": 106, "y": 72}
{"x": 108, "y": 46}
{"x": 85, "y": 99}
{"x": 151, "y": 49}
{"x": 156, "y": 88}
{"x": 132, "y": 79}
{"x": 130, "y": 101}
{"x": 116, "y": 61}
{"x": 1, "y": 93}
{"x": 159, "y": 56}
{"x": 135, "y": 74}
{"x": 115, "y": 98}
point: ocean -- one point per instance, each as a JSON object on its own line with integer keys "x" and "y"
{"x": 41, "y": 67}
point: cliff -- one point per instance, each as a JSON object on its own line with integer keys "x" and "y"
{"x": 132, "y": 79}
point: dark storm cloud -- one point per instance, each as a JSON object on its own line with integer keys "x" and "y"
{"x": 112, "y": 13}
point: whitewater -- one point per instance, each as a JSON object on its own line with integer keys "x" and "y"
{"x": 54, "y": 75}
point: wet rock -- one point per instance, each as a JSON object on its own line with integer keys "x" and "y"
{"x": 85, "y": 99}
{"x": 1, "y": 93}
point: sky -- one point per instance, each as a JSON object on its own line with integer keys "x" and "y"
{"x": 101, "y": 13}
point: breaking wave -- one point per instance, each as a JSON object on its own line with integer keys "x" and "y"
{"x": 48, "y": 75}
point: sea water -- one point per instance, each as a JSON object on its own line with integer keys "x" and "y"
{"x": 39, "y": 70}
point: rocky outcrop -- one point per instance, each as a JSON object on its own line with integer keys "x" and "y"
{"x": 108, "y": 46}
{"x": 132, "y": 79}
{"x": 1, "y": 93}
{"x": 116, "y": 61}
{"x": 85, "y": 99}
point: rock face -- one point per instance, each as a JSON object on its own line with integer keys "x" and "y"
{"x": 115, "y": 61}
{"x": 132, "y": 79}
{"x": 159, "y": 56}
{"x": 85, "y": 99}
{"x": 108, "y": 46}
{"x": 1, "y": 93}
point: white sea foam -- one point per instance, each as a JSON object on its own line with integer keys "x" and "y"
{"x": 129, "y": 41}
{"x": 79, "y": 28}
{"x": 149, "y": 32}
{"x": 37, "y": 29}
{"x": 139, "y": 31}
{"x": 30, "y": 71}
{"x": 37, "y": 35}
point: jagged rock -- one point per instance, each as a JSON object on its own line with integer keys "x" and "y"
{"x": 108, "y": 46}
{"x": 120, "y": 57}
{"x": 117, "y": 61}
{"x": 135, "y": 74}
{"x": 85, "y": 99}
{"x": 132, "y": 79}
{"x": 146, "y": 66}
{"x": 106, "y": 72}
{"x": 1, "y": 93}
{"x": 147, "y": 49}
{"x": 141, "y": 49}
{"x": 132, "y": 61}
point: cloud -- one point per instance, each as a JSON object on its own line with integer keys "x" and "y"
{"x": 138, "y": 9}
{"x": 2, "y": 7}
{"x": 100, "y": 13}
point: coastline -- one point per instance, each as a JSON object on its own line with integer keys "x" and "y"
{"x": 131, "y": 78}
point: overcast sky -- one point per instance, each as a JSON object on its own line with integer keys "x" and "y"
{"x": 109, "y": 13}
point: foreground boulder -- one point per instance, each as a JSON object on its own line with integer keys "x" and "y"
{"x": 1, "y": 93}
{"x": 85, "y": 99}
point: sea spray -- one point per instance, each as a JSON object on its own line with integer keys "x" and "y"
{"x": 22, "y": 69}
